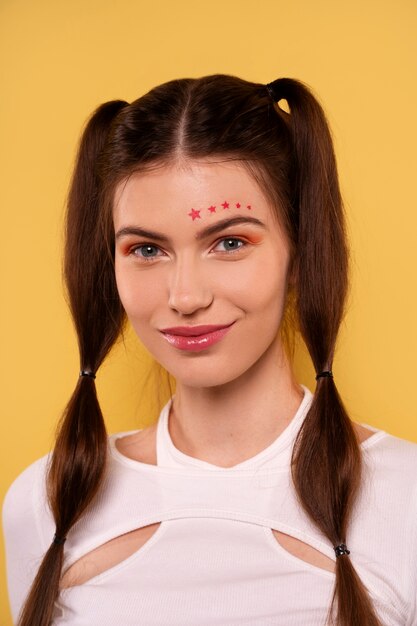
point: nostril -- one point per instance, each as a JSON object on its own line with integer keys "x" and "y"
{"x": 187, "y": 303}
{"x": 189, "y": 293}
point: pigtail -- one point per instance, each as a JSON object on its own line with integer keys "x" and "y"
{"x": 79, "y": 458}
{"x": 326, "y": 463}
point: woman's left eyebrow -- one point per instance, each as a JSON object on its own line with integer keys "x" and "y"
{"x": 222, "y": 224}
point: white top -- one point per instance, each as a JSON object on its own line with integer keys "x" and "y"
{"x": 214, "y": 560}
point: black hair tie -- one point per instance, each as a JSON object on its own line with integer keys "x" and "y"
{"x": 325, "y": 374}
{"x": 271, "y": 91}
{"x": 59, "y": 541}
{"x": 87, "y": 373}
{"x": 341, "y": 550}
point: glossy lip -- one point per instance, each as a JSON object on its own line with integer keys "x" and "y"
{"x": 195, "y": 338}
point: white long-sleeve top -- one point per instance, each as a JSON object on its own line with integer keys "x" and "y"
{"x": 214, "y": 560}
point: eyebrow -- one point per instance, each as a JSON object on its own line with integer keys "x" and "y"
{"x": 202, "y": 234}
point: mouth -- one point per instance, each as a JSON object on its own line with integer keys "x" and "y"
{"x": 195, "y": 338}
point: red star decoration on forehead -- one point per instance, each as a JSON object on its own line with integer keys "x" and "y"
{"x": 225, "y": 205}
{"x": 238, "y": 205}
{"x": 194, "y": 214}
{"x": 212, "y": 209}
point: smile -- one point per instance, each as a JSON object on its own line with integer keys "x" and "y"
{"x": 195, "y": 338}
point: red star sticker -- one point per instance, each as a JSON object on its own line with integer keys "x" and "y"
{"x": 249, "y": 206}
{"x": 225, "y": 205}
{"x": 194, "y": 214}
{"x": 238, "y": 205}
{"x": 212, "y": 209}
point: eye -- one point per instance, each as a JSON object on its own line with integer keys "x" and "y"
{"x": 145, "y": 251}
{"x": 229, "y": 244}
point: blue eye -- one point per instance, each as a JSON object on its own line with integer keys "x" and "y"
{"x": 145, "y": 251}
{"x": 230, "y": 244}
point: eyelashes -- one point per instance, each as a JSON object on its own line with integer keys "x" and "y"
{"x": 148, "y": 252}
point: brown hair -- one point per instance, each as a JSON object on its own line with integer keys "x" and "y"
{"x": 291, "y": 156}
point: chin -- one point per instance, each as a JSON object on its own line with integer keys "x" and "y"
{"x": 204, "y": 382}
{"x": 199, "y": 373}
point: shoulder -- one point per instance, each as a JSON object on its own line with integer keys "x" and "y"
{"x": 391, "y": 454}
{"x": 390, "y": 468}
{"x": 25, "y": 509}
{"x": 21, "y": 490}
{"x": 27, "y": 491}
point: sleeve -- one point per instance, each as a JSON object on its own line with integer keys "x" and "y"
{"x": 28, "y": 528}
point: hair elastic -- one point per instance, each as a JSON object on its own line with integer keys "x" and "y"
{"x": 325, "y": 374}
{"x": 59, "y": 541}
{"x": 341, "y": 550}
{"x": 271, "y": 91}
{"x": 87, "y": 373}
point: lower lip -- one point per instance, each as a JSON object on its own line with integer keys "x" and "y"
{"x": 198, "y": 342}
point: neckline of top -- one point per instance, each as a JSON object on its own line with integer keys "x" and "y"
{"x": 166, "y": 449}
{"x": 186, "y": 463}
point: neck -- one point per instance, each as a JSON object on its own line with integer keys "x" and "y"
{"x": 227, "y": 424}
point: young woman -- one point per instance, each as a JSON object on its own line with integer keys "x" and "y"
{"x": 211, "y": 219}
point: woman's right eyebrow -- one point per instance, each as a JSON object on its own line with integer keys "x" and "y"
{"x": 141, "y": 232}
{"x": 205, "y": 232}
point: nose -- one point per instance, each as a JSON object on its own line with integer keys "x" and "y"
{"x": 189, "y": 290}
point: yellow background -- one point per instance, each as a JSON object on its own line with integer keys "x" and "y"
{"x": 60, "y": 59}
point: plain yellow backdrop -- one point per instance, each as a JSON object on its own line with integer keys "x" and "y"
{"x": 60, "y": 59}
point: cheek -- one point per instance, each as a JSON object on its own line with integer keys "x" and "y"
{"x": 261, "y": 286}
{"x": 138, "y": 293}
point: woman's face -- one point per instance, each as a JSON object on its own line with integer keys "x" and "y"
{"x": 197, "y": 246}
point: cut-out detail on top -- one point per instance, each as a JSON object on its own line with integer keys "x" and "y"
{"x": 303, "y": 551}
{"x": 106, "y": 556}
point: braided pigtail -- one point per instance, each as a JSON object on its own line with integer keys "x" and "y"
{"x": 326, "y": 463}
{"x": 78, "y": 461}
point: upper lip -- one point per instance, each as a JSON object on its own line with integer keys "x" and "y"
{"x": 193, "y": 331}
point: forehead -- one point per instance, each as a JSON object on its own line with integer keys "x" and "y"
{"x": 174, "y": 191}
